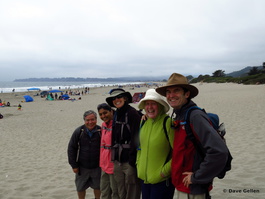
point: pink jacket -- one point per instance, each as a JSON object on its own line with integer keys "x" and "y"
{"x": 105, "y": 148}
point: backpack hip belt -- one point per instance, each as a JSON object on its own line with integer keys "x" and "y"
{"x": 119, "y": 147}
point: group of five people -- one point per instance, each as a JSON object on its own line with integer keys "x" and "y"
{"x": 133, "y": 154}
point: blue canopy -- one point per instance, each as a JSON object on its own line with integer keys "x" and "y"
{"x": 28, "y": 98}
{"x": 55, "y": 91}
{"x": 65, "y": 97}
{"x": 33, "y": 89}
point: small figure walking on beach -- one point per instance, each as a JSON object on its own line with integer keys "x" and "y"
{"x": 19, "y": 107}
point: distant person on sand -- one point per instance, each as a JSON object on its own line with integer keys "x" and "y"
{"x": 19, "y": 107}
{"x": 83, "y": 155}
{"x": 108, "y": 185}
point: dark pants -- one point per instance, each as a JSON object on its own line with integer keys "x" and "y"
{"x": 160, "y": 190}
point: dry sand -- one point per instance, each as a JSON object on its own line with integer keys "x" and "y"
{"x": 33, "y": 141}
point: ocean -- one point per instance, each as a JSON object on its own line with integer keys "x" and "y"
{"x": 8, "y": 87}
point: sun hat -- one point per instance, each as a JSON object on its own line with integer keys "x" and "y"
{"x": 118, "y": 92}
{"x": 178, "y": 80}
{"x": 151, "y": 94}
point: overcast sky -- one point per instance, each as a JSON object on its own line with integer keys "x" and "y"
{"x": 117, "y": 38}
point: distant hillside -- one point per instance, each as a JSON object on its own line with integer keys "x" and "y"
{"x": 242, "y": 73}
{"x": 78, "y": 79}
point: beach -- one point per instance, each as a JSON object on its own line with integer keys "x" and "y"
{"x": 34, "y": 140}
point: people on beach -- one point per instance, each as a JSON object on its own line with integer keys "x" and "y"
{"x": 155, "y": 147}
{"x": 83, "y": 155}
{"x": 19, "y": 107}
{"x": 192, "y": 175}
{"x": 108, "y": 185}
{"x": 124, "y": 132}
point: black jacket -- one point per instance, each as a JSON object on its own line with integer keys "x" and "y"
{"x": 88, "y": 154}
{"x": 125, "y": 131}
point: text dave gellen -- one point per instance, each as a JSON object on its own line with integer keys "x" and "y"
{"x": 241, "y": 191}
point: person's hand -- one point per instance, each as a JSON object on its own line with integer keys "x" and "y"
{"x": 187, "y": 179}
{"x": 162, "y": 175}
{"x": 75, "y": 170}
{"x": 144, "y": 117}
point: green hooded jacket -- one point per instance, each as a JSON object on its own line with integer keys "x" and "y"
{"x": 154, "y": 149}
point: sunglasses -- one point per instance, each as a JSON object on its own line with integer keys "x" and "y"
{"x": 117, "y": 97}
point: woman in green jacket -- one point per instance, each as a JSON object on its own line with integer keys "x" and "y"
{"x": 154, "y": 151}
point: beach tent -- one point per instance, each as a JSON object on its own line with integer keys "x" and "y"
{"x": 28, "y": 98}
{"x": 33, "y": 89}
{"x": 65, "y": 97}
{"x": 55, "y": 91}
{"x": 44, "y": 93}
{"x": 138, "y": 96}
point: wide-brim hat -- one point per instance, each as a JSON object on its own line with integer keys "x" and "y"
{"x": 178, "y": 80}
{"x": 118, "y": 91}
{"x": 151, "y": 94}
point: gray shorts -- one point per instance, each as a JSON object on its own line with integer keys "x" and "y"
{"x": 88, "y": 178}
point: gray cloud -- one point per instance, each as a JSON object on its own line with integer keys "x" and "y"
{"x": 129, "y": 38}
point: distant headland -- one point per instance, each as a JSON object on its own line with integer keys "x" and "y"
{"x": 79, "y": 79}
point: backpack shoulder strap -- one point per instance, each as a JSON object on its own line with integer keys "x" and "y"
{"x": 189, "y": 132}
{"x": 79, "y": 138}
{"x": 82, "y": 129}
{"x": 165, "y": 129}
{"x": 166, "y": 134}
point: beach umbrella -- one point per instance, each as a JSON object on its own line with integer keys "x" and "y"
{"x": 33, "y": 89}
{"x": 55, "y": 91}
{"x": 28, "y": 98}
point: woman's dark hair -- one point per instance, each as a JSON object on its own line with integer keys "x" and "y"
{"x": 104, "y": 106}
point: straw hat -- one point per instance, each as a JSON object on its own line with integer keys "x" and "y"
{"x": 118, "y": 91}
{"x": 178, "y": 80}
{"x": 151, "y": 94}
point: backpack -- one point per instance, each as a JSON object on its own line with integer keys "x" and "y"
{"x": 220, "y": 129}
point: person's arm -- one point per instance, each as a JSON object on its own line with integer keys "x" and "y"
{"x": 73, "y": 149}
{"x": 215, "y": 148}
